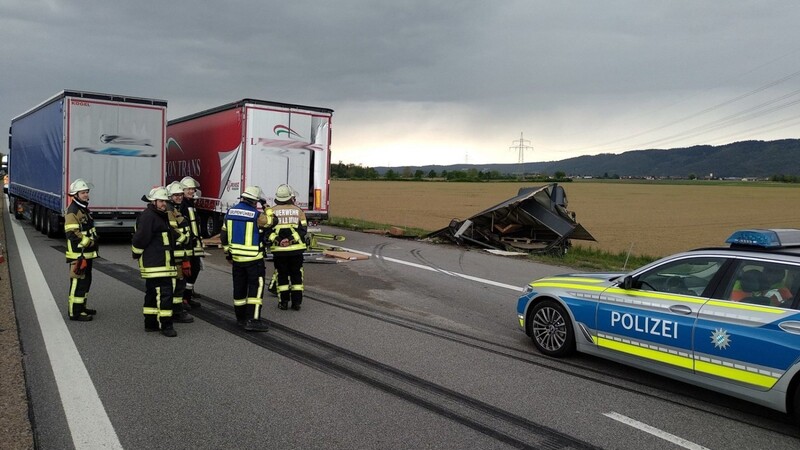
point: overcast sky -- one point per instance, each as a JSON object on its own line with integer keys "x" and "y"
{"x": 416, "y": 82}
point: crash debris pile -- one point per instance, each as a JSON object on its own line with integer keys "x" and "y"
{"x": 535, "y": 221}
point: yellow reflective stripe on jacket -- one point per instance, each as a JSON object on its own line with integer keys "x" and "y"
{"x": 157, "y": 272}
{"x": 72, "y": 253}
{"x": 249, "y": 250}
{"x": 298, "y": 245}
{"x": 71, "y": 226}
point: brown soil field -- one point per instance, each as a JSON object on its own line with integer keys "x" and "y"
{"x": 647, "y": 219}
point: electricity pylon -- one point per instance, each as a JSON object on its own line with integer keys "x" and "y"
{"x": 521, "y": 146}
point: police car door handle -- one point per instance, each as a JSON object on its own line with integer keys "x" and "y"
{"x": 680, "y": 309}
{"x": 791, "y": 326}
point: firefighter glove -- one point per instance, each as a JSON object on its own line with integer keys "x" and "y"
{"x": 186, "y": 268}
{"x": 80, "y": 266}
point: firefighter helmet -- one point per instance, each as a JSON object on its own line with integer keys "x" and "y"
{"x": 284, "y": 193}
{"x": 252, "y": 193}
{"x": 158, "y": 193}
{"x": 189, "y": 183}
{"x": 175, "y": 188}
{"x": 78, "y": 186}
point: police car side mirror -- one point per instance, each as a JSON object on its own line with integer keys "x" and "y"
{"x": 627, "y": 282}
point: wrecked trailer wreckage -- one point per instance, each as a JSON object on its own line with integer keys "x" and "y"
{"x": 535, "y": 221}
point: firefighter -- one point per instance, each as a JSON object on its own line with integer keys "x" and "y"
{"x": 153, "y": 245}
{"x": 287, "y": 233}
{"x": 81, "y": 249}
{"x": 181, "y": 225}
{"x": 242, "y": 240}
{"x": 195, "y": 253}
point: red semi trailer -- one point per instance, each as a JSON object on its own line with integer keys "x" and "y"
{"x": 252, "y": 142}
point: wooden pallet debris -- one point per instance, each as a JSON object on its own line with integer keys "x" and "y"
{"x": 349, "y": 256}
{"x": 213, "y": 241}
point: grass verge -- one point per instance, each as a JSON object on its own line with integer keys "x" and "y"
{"x": 577, "y": 257}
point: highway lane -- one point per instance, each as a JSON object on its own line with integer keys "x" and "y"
{"x": 416, "y": 347}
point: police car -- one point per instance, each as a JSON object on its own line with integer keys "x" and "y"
{"x": 726, "y": 319}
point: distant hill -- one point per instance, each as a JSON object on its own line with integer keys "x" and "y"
{"x": 740, "y": 159}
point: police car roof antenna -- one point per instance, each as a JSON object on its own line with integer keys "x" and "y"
{"x": 625, "y": 264}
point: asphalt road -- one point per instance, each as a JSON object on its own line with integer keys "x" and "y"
{"x": 416, "y": 347}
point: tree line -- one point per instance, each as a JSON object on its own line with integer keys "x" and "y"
{"x": 358, "y": 172}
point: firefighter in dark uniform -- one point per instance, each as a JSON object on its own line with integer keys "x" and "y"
{"x": 286, "y": 235}
{"x": 182, "y": 242}
{"x": 195, "y": 253}
{"x": 81, "y": 250}
{"x": 153, "y": 245}
{"x": 242, "y": 239}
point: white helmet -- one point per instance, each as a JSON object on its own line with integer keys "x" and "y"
{"x": 190, "y": 183}
{"x": 284, "y": 193}
{"x": 175, "y": 188}
{"x": 252, "y": 193}
{"x": 158, "y": 193}
{"x": 78, "y": 186}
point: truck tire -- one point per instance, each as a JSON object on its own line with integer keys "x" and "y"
{"x": 45, "y": 221}
{"x": 36, "y": 213}
{"x": 210, "y": 224}
{"x": 54, "y": 228}
{"x": 16, "y": 204}
{"x": 44, "y": 214}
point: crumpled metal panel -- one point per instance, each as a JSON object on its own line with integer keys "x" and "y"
{"x": 536, "y": 220}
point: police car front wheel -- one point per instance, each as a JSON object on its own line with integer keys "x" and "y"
{"x": 551, "y": 329}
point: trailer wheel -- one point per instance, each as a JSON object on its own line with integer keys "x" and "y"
{"x": 45, "y": 221}
{"x": 17, "y": 205}
{"x": 211, "y": 224}
{"x": 36, "y": 217}
{"x": 53, "y": 228}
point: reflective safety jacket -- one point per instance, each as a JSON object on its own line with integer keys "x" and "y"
{"x": 189, "y": 212}
{"x": 287, "y": 229}
{"x": 153, "y": 244}
{"x": 242, "y": 232}
{"x": 80, "y": 232}
{"x": 182, "y": 226}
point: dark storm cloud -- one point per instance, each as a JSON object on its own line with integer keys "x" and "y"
{"x": 557, "y": 69}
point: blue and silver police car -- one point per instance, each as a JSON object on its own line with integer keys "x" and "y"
{"x": 726, "y": 319}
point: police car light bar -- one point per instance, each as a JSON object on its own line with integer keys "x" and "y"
{"x": 773, "y": 238}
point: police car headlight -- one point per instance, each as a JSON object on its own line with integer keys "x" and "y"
{"x": 528, "y": 289}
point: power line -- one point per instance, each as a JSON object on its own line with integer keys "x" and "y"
{"x": 704, "y": 111}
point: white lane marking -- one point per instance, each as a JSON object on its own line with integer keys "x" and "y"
{"x": 86, "y": 416}
{"x": 654, "y": 431}
{"x": 446, "y": 272}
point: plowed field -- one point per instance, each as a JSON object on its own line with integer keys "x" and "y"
{"x": 650, "y": 219}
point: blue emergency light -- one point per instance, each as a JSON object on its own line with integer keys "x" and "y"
{"x": 772, "y": 238}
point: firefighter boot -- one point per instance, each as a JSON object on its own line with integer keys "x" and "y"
{"x": 188, "y": 298}
{"x": 88, "y": 311}
{"x": 79, "y": 313}
{"x": 169, "y": 332}
{"x": 182, "y": 316}
{"x": 82, "y": 317}
{"x": 256, "y": 325}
